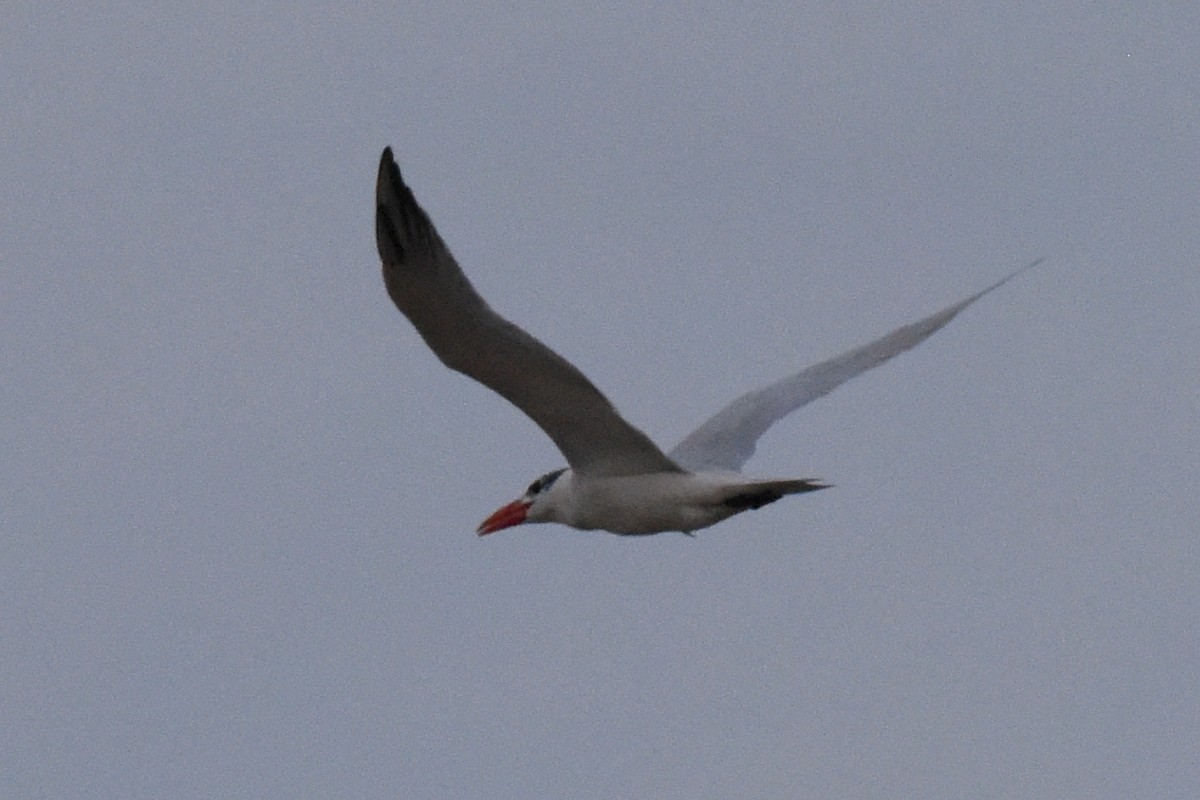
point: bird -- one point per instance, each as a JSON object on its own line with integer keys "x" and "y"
{"x": 616, "y": 478}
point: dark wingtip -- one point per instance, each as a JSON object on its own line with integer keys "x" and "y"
{"x": 389, "y": 174}
{"x": 387, "y": 166}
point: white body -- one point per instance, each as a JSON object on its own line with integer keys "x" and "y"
{"x": 653, "y": 503}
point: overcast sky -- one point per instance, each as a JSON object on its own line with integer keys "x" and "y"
{"x": 239, "y": 494}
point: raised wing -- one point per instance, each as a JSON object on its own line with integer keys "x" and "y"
{"x": 728, "y": 439}
{"x": 427, "y": 285}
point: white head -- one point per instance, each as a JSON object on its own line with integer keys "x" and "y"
{"x": 538, "y": 504}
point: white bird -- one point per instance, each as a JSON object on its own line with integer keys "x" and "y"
{"x": 616, "y": 479}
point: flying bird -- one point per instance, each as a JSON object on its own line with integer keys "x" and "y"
{"x": 616, "y": 478}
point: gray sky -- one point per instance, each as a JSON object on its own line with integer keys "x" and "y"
{"x": 238, "y": 556}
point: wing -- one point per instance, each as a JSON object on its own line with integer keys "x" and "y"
{"x": 727, "y": 440}
{"x": 428, "y": 287}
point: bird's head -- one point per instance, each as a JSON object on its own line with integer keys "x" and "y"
{"x": 536, "y": 505}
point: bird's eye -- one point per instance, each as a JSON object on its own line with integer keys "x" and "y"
{"x": 543, "y": 483}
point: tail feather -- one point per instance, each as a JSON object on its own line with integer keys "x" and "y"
{"x": 761, "y": 493}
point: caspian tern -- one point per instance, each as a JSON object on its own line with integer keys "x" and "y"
{"x": 616, "y": 479}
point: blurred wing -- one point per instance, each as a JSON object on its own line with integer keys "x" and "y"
{"x": 428, "y": 287}
{"x": 728, "y": 439}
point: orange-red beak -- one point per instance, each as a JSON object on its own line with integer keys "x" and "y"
{"x": 506, "y": 517}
